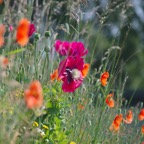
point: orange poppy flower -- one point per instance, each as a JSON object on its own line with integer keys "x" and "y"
{"x": 116, "y": 122}
{"x": 33, "y": 96}
{"x": 22, "y": 32}
{"x": 85, "y": 70}
{"x": 54, "y": 75}
{"x": 2, "y": 31}
{"x": 129, "y": 117}
{"x": 104, "y": 78}
{"x": 141, "y": 115}
{"x": 142, "y": 129}
{"x": 80, "y": 106}
{"x": 3, "y": 62}
{"x": 110, "y": 101}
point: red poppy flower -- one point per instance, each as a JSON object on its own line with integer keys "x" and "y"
{"x": 141, "y": 115}
{"x": 22, "y": 32}
{"x": 129, "y": 117}
{"x": 116, "y": 122}
{"x": 85, "y": 69}
{"x": 70, "y": 73}
{"x": 33, "y": 96}
{"x": 54, "y": 75}
{"x": 104, "y": 78}
{"x": 110, "y": 101}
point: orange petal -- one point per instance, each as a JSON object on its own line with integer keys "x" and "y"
{"x": 85, "y": 70}
{"x": 33, "y": 96}
{"x": 141, "y": 115}
{"x": 116, "y": 122}
{"x": 142, "y": 129}
{"x": 22, "y": 32}
{"x": 110, "y": 101}
{"x": 3, "y": 62}
{"x": 54, "y": 75}
{"x": 80, "y": 107}
{"x": 2, "y": 31}
{"x": 129, "y": 117}
{"x": 114, "y": 126}
{"x": 104, "y": 78}
{"x": 118, "y": 119}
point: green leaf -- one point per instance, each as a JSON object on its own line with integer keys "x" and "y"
{"x": 49, "y": 104}
{"x": 16, "y": 51}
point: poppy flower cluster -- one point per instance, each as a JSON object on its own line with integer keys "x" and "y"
{"x": 115, "y": 126}
{"x": 72, "y": 69}
{"x": 24, "y": 30}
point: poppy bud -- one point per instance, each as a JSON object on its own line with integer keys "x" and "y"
{"x": 37, "y": 36}
{"x": 47, "y": 34}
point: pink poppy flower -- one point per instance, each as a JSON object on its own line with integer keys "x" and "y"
{"x": 70, "y": 73}
{"x": 62, "y": 47}
{"x": 73, "y": 49}
{"x": 32, "y": 29}
{"x": 77, "y": 49}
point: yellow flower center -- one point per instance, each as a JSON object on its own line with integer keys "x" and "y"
{"x": 76, "y": 74}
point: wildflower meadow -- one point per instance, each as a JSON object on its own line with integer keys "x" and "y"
{"x": 64, "y": 73}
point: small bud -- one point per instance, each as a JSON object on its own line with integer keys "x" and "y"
{"x": 47, "y": 34}
{"x": 37, "y": 36}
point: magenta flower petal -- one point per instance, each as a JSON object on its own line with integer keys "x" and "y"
{"x": 11, "y": 28}
{"x": 32, "y": 29}
{"x": 71, "y": 63}
{"x": 72, "y": 86}
{"x": 62, "y": 47}
{"x": 70, "y": 73}
{"x": 78, "y": 49}
{"x": 57, "y": 45}
{"x": 73, "y": 49}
